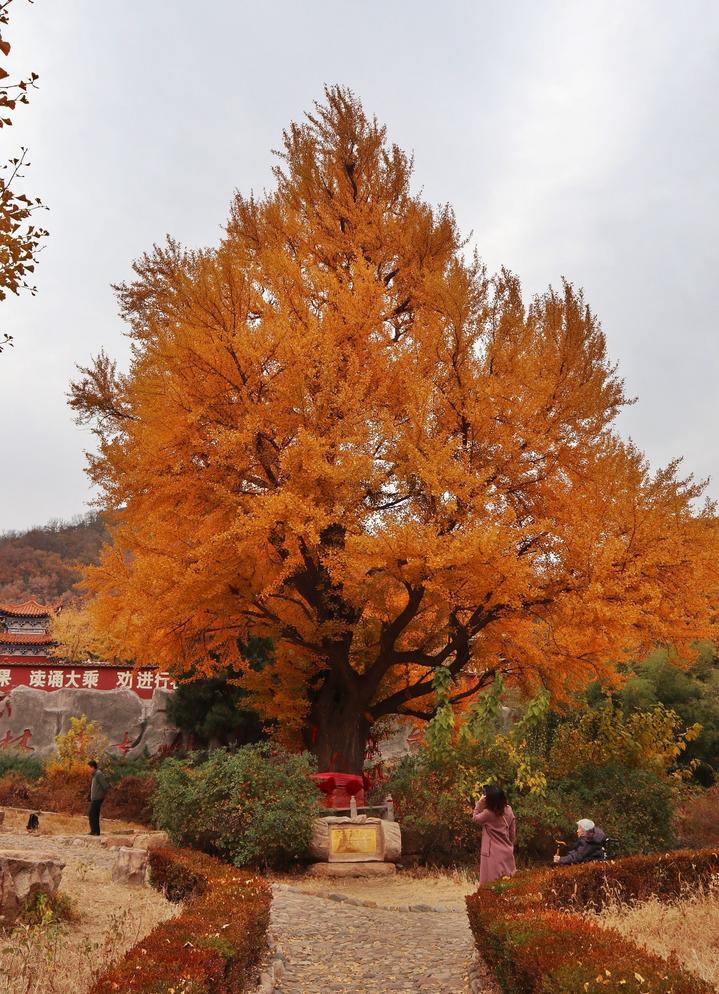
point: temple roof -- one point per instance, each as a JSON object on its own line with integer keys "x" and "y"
{"x": 24, "y": 638}
{"x": 28, "y": 609}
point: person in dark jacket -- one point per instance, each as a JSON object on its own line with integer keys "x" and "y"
{"x": 98, "y": 789}
{"x": 589, "y": 844}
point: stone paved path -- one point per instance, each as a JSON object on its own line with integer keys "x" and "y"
{"x": 332, "y": 947}
{"x": 67, "y": 848}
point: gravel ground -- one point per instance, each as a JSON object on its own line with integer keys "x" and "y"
{"x": 109, "y": 919}
{"x": 328, "y": 946}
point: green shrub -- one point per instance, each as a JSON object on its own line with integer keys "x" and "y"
{"x": 251, "y": 807}
{"x": 633, "y": 806}
{"x": 29, "y": 767}
{"x": 434, "y": 807}
{"x": 540, "y": 823}
{"x": 139, "y": 766}
{"x": 435, "y": 817}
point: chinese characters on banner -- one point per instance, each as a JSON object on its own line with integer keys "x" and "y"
{"x": 141, "y": 682}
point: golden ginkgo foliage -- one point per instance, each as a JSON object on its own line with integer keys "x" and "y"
{"x": 340, "y": 432}
{"x": 78, "y": 641}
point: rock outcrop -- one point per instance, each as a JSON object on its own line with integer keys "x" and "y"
{"x": 131, "y": 723}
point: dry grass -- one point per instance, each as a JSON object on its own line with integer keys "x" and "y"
{"x": 688, "y": 928}
{"x": 54, "y": 823}
{"x": 434, "y": 887}
{"x": 66, "y": 958}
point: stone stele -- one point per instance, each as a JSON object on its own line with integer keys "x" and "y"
{"x": 363, "y": 839}
{"x": 22, "y": 876}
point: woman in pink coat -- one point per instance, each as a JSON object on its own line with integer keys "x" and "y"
{"x": 498, "y": 834}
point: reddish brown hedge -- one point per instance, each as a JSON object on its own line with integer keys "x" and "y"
{"x": 212, "y": 945}
{"x": 527, "y": 932}
{"x": 634, "y": 878}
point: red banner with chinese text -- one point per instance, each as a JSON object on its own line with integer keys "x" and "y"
{"x": 38, "y": 674}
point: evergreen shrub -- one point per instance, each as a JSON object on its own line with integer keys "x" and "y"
{"x": 434, "y": 815}
{"x": 252, "y": 807}
{"x": 28, "y": 767}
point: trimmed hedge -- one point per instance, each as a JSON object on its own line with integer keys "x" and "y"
{"x": 527, "y": 932}
{"x": 591, "y": 886}
{"x": 211, "y": 946}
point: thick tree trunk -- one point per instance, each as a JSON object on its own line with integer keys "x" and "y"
{"x": 338, "y": 728}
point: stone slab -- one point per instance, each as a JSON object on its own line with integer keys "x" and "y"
{"x": 22, "y": 876}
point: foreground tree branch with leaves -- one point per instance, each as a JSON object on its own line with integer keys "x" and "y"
{"x": 20, "y": 236}
{"x": 340, "y": 433}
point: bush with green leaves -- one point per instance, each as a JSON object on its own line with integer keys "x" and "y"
{"x": 251, "y": 807}
{"x": 691, "y": 692}
{"x": 435, "y": 791}
{"x": 597, "y": 762}
{"x": 29, "y": 767}
{"x": 635, "y": 807}
{"x": 143, "y": 765}
{"x": 434, "y": 814}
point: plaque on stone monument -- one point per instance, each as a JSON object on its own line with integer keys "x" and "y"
{"x": 355, "y": 842}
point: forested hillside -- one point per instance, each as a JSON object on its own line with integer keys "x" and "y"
{"x": 42, "y": 562}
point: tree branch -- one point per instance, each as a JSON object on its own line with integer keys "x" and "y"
{"x": 389, "y": 634}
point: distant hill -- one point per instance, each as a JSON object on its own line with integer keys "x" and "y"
{"x": 42, "y": 562}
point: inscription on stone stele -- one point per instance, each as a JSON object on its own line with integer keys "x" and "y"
{"x": 353, "y": 842}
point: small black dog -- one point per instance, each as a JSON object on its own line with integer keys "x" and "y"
{"x": 33, "y": 823}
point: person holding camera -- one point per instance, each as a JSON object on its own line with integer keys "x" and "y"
{"x": 499, "y": 832}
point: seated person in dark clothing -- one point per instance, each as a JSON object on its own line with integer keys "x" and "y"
{"x": 589, "y": 844}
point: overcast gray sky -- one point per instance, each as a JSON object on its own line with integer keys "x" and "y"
{"x": 573, "y": 139}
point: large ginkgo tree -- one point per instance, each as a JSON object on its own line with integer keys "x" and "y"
{"x": 339, "y": 432}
